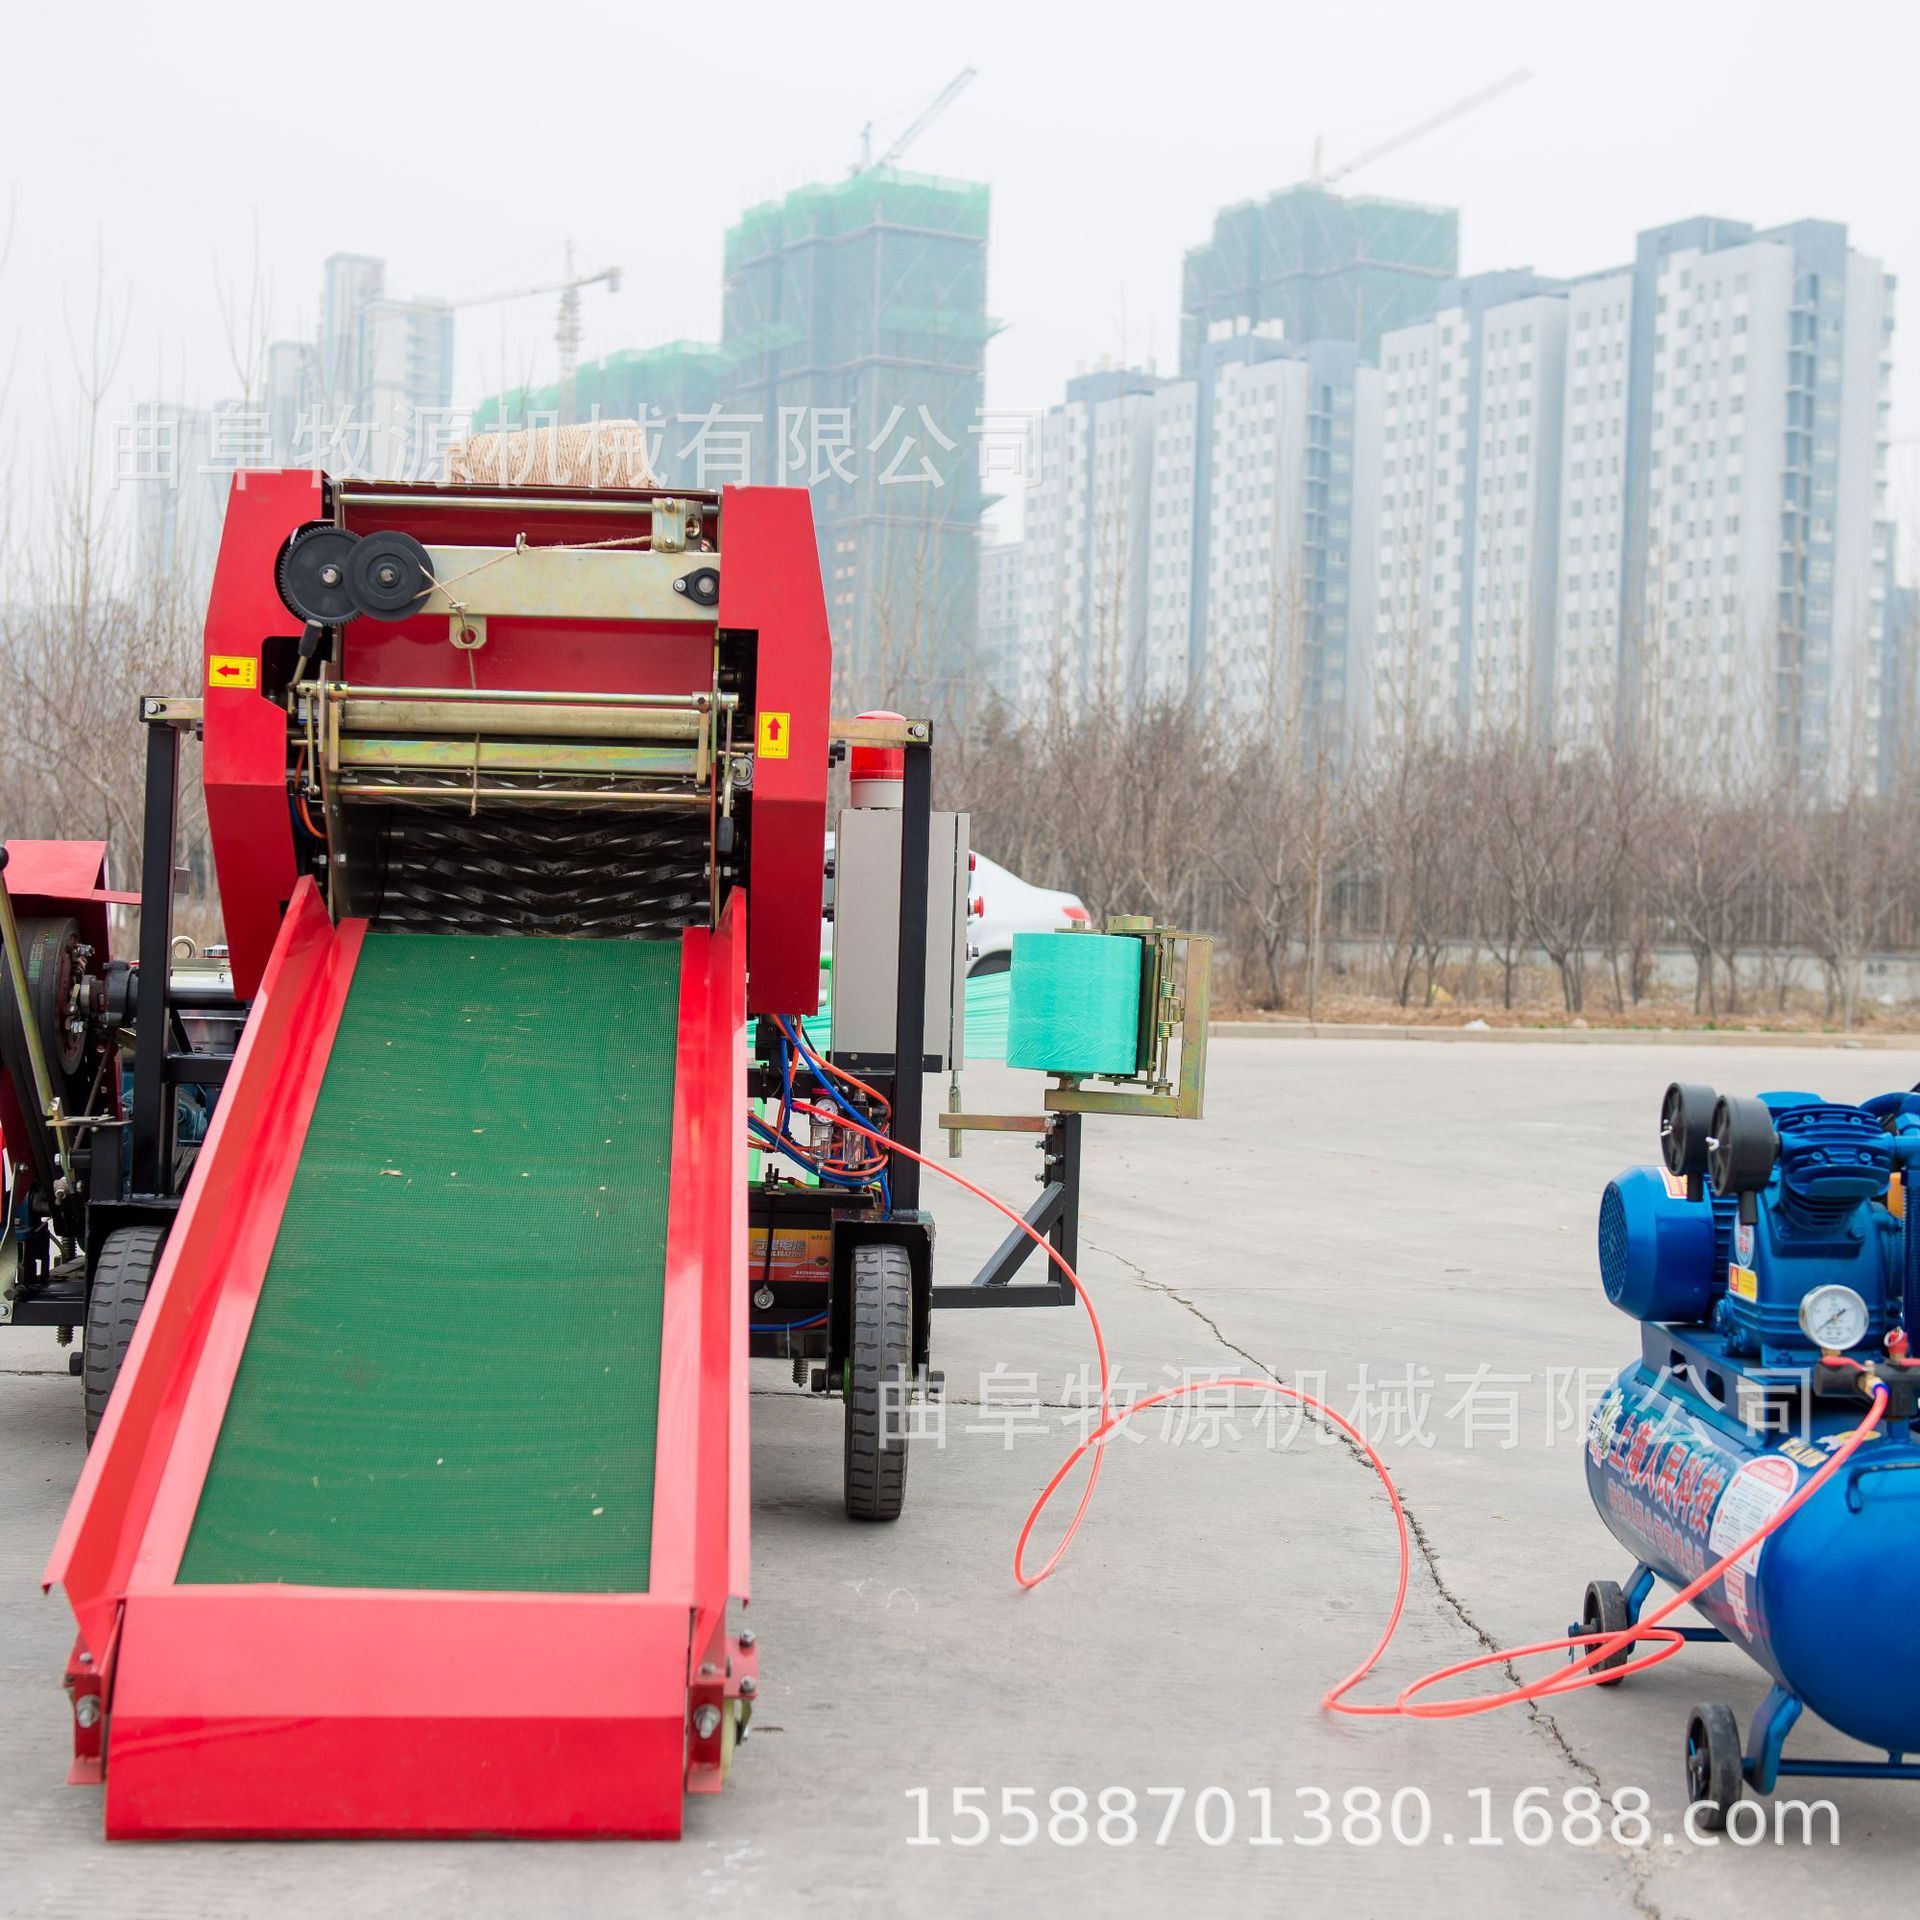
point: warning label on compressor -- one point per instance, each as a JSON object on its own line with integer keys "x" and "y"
{"x": 1753, "y": 1496}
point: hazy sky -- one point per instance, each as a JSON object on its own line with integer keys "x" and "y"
{"x": 467, "y": 144}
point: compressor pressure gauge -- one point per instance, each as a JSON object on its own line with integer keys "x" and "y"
{"x": 1834, "y": 1318}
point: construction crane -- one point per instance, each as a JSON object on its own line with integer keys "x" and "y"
{"x": 1319, "y": 178}
{"x": 567, "y": 328}
{"x": 935, "y": 108}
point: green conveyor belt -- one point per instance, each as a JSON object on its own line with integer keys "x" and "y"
{"x": 453, "y": 1371}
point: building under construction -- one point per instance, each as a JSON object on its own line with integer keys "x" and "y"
{"x": 1322, "y": 266}
{"x": 855, "y": 327}
{"x": 671, "y": 389}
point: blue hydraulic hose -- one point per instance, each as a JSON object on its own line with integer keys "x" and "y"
{"x": 783, "y": 1144}
{"x": 834, "y": 1094}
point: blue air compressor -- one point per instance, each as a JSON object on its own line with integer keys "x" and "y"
{"x": 1773, "y": 1262}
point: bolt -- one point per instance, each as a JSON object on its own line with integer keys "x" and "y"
{"x": 86, "y": 1710}
{"x": 749, "y": 1686}
{"x": 708, "y": 1671}
{"x": 706, "y": 1722}
{"x": 748, "y": 1636}
{"x": 86, "y": 1659}
{"x": 329, "y": 576}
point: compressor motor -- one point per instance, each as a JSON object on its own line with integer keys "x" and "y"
{"x": 1768, "y": 1223}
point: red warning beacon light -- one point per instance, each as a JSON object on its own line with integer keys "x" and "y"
{"x": 879, "y": 774}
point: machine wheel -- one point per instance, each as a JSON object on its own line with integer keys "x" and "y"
{"x": 1716, "y": 1775}
{"x": 880, "y": 1368}
{"x": 120, "y": 1283}
{"x": 1604, "y": 1611}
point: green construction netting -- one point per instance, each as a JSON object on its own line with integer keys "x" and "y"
{"x": 453, "y": 1371}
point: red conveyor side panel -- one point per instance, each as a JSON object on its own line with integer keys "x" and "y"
{"x": 700, "y": 1514}
{"x": 338, "y": 1711}
{"x": 223, "y": 1233}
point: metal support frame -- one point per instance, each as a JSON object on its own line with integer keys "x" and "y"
{"x": 1765, "y": 1766}
{"x": 1763, "y": 1762}
{"x": 1056, "y": 1214}
{"x": 151, "y": 1157}
{"x": 910, "y": 1005}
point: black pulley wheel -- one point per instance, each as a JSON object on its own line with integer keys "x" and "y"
{"x": 1743, "y": 1144}
{"x": 49, "y": 947}
{"x": 53, "y": 966}
{"x": 880, "y": 1368}
{"x": 119, "y": 1292}
{"x": 388, "y": 575}
{"x": 1716, "y": 1775}
{"x": 311, "y": 573}
{"x": 1686, "y": 1118}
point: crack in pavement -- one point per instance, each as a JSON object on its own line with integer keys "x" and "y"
{"x": 1638, "y": 1862}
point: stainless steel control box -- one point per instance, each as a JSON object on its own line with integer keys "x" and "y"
{"x": 866, "y": 937}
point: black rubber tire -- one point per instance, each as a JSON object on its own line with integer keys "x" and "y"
{"x": 1605, "y": 1611}
{"x": 120, "y": 1283}
{"x": 1716, "y": 1768}
{"x": 881, "y": 1354}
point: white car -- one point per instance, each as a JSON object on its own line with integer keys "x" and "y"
{"x": 1000, "y": 904}
{"x": 1003, "y": 905}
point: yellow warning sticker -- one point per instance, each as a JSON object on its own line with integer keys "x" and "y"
{"x": 775, "y": 730}
{"x": 1744, "y": 1282}
{"x": 233, "y": 670}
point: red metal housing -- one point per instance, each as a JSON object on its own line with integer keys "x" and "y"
{"x": 770, "y": 595}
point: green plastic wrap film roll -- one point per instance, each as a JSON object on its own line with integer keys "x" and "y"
{"x": 1074, "y": 1003}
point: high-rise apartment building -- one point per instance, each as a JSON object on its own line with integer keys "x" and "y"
{"x": 1001, "y": 663}
{"x": 1648, "y": 505}
{"x": 1284, "y": 560}
{"x": 372, "y": 393}
{"x": 1469, "y": 524}
{"x": 1087, "y": 547}
{"x": 855, "y": 327}
{"x": 1761, "y": 627}
{"x": 1589, "y": 599}
{"x": 1207, "y": 538}
{"x": 179, "y": 484}
{"x": 1174, "y": 520}
{"x": 1318, "y": 266}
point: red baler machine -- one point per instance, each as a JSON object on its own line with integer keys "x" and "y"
{"x": 422, "y": 1498}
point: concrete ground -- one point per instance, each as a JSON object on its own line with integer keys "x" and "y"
{"x": 1351, "y": 1211}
